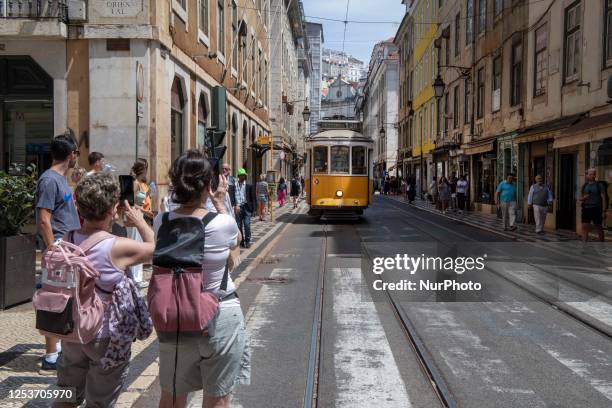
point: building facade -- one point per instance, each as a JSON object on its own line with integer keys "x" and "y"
{"x": 524, "y": 91}
{"x": 340, "y": 64}
{"x": 134, "y": 80}
{"x": 316, "y": 40}
{"x": 379, "y": 108}
{"x": 403, "y": 40}
{"x": 290, "y": 86}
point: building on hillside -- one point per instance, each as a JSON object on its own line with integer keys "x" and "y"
{"x": 314, "y": 32}
{"x": 133, "y": 79}
{"x": 290, "y": 86}
{"x": 338, "y": 63}
{"x": 378, "y": 108}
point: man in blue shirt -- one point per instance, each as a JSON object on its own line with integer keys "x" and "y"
{"x": 56, "y": 212}
{"x": 505, "y": 198}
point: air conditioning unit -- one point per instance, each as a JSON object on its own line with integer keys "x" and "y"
{"x": 77, "y": 11}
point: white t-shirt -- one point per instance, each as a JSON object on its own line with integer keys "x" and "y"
{"x": 221, "y": 234}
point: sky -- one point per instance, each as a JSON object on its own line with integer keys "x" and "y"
{"x": 360, "y": 38}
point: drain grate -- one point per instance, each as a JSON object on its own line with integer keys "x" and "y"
{"x": 270, "y": 260}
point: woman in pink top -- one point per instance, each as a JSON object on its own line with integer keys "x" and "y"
{"x": 79, "y": 366}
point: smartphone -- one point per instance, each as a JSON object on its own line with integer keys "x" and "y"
{"x": 126, "y": 185}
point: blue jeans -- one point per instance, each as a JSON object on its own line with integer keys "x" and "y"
{"x": 244, "y": 223}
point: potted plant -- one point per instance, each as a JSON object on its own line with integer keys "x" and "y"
{"x": 17, "y": 250}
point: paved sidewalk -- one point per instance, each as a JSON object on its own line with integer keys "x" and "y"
{"x": 21, "y": 346}
{"x": 490, "y": 222}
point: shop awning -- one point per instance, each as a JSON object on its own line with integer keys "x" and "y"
{"x": 480, "y": 146}
{"x": 585, "y": 131}
{"x": 547, "y": 130}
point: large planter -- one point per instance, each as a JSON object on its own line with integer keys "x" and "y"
{"x": 17, "y": 269}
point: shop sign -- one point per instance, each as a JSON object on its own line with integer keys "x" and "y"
{"x": 118, "y": 8}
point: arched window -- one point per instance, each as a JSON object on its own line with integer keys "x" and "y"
{"x": 202, "y": 118}
{"x": 176, "y": 118}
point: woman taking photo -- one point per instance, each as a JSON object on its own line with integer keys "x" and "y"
{"x": 216, "y": 359}
{"x": 98, "y": 379}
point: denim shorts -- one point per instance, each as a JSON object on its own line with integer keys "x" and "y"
{"x": 262, "y": 199}
{"x": 215, "y": 363}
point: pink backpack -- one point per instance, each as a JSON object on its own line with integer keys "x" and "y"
{"x": 68, "y": 306}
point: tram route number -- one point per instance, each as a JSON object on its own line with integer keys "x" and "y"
{"x": 50, "y": 393}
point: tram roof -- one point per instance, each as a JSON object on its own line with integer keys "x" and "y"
{"x": 339, "y": 134}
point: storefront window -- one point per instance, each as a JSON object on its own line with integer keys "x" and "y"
{"x": 486, "y": 173}
{"x": 27, "y": 127}
{"x": 340, "y": 159}
{"x": 359, "y": 160}
{"x": 604, "y": 170}
{"x": 320, "y": 159}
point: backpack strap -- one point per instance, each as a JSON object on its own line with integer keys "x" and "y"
{"x": 94, "y": 239}
{"x": 208, "y": 218}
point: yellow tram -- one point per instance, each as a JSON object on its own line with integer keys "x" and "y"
{"x": 338, "y": 170}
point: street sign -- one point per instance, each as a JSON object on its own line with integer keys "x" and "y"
{"x": 139, "y": 90}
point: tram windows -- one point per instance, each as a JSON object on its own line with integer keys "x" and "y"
{"x": 319, "y": 159}
{"x": 340, "y": 159}
{"x": 359, "y": 160}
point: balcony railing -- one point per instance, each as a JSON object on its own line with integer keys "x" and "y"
{"x": 34, "y": 9}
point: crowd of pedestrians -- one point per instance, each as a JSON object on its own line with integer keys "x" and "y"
{"x": 202, "y": 223}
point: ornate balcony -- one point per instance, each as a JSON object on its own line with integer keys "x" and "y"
{"x": 34, "y": 9}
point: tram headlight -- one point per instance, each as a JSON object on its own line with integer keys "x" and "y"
{"x": 339, "y": 193}
{"x": 316, "y": 181}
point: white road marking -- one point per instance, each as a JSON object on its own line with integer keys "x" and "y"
{"x": 586, "y": 371}
{"x": 364, "y": 365}
{"x": 264, "y": 307}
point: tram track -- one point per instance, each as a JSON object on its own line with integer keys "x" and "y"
{"x": 539, "y": 295}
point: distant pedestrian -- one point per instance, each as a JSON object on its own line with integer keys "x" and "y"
{"x": 97, "y": 370}
{"x": 143, "y": 201}
{"x": 281, "y": 191}
{"x": 411, "y": 189}
{"x": 444, "y": 194}
{"x": 387, "y": 185}
{"x": 263, "y": 196}
{"x": 230, "y": 197}
{"x": 433, "y": 191}
{"x": 594, "y": 204}
{"x": 404, "y": 188}
{"x": 295, "y": 191}
{"x": 303, "y": 185}
{"x": 96, "y": 162}
{"x": 246, "y": 204}
{"x": 505, "y": 198}
{"x": 56, "y": 213}
{"x": 452, "y": 183}
{"x": 217, "y": 358}
{"x": 462, "y": 188}
{"x": 540, "y": 198}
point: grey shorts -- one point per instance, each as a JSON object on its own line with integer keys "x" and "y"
{"x": 215, "y": 364}
{"x": 79, "y": 367}
{"x": 262, "y": 199}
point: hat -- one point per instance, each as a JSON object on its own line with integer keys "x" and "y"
{"x": 241, "y": 172}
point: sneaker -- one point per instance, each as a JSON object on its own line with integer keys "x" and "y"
{"x": 505, "y": 229}
{"x": 513, "y": 228}
{"x": 247, "y": 245}
{"x": 48, "y": 366}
